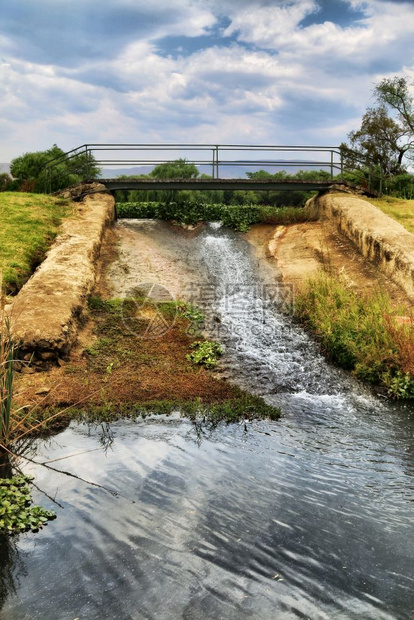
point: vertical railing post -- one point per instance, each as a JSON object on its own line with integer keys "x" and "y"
{"x": 214, "y": 163}
{"x": 47, "y": 180}
{"x": 87, "y": 167}
{"x": 217, "y": 163}
{"x": 332, "y": 165}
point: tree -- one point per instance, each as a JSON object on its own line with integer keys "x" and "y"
{"x": 30, "y": 169}
{"x": 394, "y": 93}
{"x": 386, "y": 136}
{"x": 178, "y": 169}
{"x": 380, "y": 141}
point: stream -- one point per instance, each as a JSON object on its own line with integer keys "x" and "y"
{"x": 311, "y": 516}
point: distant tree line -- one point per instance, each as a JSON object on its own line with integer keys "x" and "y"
{"x": 181, "y": 169}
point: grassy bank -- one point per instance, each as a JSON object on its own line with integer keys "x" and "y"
{"x": 140, "y": 360}
{"x": 28, "y": 225}
{"x": 239, "y": 217}
{"x": 397, "y": 208}
{"x": 362, "y": 333}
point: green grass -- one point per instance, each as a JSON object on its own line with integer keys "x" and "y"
{"x": 399, "y": 209}
{"x": 28, "y": 225}
{"x": 361, "y": 333}
{"x": 243, "y": 406}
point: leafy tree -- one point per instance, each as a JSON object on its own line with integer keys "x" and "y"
{"x": 30, "y": 169}
{"x": 394, "y": 93}
{"x": 178, "y": 169}
{"x": 380, "y": 140}
{"x": 386, "y": 136}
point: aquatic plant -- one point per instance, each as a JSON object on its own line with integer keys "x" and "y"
{"x": 16, "y": 513}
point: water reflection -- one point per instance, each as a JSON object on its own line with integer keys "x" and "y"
{"x": 11, "y": 566}
{"x": 218, "y": 519}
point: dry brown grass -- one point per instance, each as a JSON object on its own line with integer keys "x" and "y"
{"x": 119, "y": 368}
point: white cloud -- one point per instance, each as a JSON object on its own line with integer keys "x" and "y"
{"x": 279, "y": 82}
{"x": 266, "y": 25}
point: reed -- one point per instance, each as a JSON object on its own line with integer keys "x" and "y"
{"x": 7, "y": 354}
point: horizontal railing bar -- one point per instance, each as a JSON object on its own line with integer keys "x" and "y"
{"x": 224, "y": 162}
{"x": 203, "y": 145}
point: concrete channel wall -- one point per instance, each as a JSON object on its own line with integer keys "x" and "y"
{"x": 46, "y": 312}
{"x": 382, "y": 240}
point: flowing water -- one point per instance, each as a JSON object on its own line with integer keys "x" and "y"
{"x": 307, "y": 517}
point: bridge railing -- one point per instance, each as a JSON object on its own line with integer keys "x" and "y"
{"x": 213, "y": 159}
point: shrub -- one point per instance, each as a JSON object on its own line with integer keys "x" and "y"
{"x": 239, "y": 217}
{"x": 401, "y": 185}
{"x": 5, "y": 181}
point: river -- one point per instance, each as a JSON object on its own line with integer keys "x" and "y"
{"x": 311, "y": 516}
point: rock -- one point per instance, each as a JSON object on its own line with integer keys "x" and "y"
{"x": 42, "y": 391}
{"x": 46, "y": 356}
{"x": 28, "y": 370}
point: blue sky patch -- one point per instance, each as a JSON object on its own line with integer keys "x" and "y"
{"x": 339, "y": 12}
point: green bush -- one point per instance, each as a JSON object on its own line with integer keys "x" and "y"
{"x": 401, "y": 185}
{"x": 239, "y": 217}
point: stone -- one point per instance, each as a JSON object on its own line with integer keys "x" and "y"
{"x": 28, "y": 370}
{"x": 46, "y": 356}
{"x": 42, "y": 391}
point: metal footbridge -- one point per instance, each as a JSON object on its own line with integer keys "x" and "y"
{"x": 221, "y": 166}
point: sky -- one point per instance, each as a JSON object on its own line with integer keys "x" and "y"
{"x": 199, "y": 71}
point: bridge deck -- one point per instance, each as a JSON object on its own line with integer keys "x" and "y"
{"x": 204, "y": 184}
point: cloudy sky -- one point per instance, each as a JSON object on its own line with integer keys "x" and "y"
{"x": 215, "y": 71}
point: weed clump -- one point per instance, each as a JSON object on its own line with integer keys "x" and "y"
{"x": 361, "y": 333}
{"x": 205, "y": 353}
